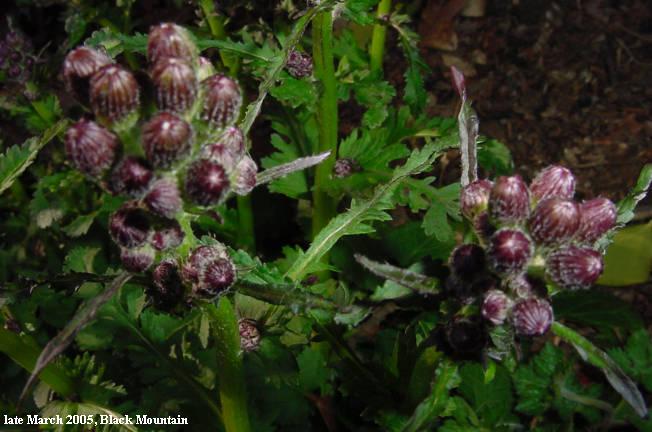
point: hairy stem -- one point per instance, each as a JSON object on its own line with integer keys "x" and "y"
{"x": 377, "y": 48}
{"x": 246, "y": 234}
{"x": 216, "y": 25}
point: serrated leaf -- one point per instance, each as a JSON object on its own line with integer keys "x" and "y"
{"x": 359, "y": 11}
{"x": 296, "y": 93}
{"x": 636, "y": 357}
{"x": 313, "y": 370}
{"x": 80, "y": 260}
{"x": 79, "y": 226}
{"x": 491, "y": 401}
{"x": 292, "y": 184}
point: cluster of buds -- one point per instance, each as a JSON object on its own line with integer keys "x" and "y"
{"x": 189, "y": 153}
{"x": 521, "y": 227}
{"x": 16, "y": 58}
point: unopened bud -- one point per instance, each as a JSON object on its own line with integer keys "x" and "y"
{"x": 91, "y": 147}
{"x": 509, "y": 201}
{"x": 509, "y": 251}
{"x": 166, "y": 139}
{"x": 554, "y": 221}
{"x": 553, "y": 181}
{"x": 206, "y": 182}
{"x": 222, "y": 101}
{"x": 176, "y": 85}
{"x": 114, "y": 93}
{"x": 597, "y": 216}
{"x": 532, "y": 316}
{"x": 574, "y": 267}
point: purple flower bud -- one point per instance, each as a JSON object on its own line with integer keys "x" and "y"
{"x": 164, "y": 198}
{"x": 249, "y": 335}
{"x": 209, "y": 270}
{"x": 483, "y": 226}
{"x": 474, "y": 198}
{"x": 91, "y": 147}
{"x": 554, "y": 221}
{"x": 170, "y": 40}
{"x": 166, "y": 139}
{"x": 345, "y": 167}
{"x": 509, "y": 201}
{"x": 521, "y": 286}
{"x": 496, "y": 306}
{"x": 199, "y": 259}
{"x": 222, "y": 101}
{"x": 597, "y": 216}
{"x": 14, "y": 72}
{"x": 138, "y": 259}
{"x": 168, "y": 237}
{"x": 574, "y": 267}
{"x": 206, "y": 182}
{"x": 509, "y": 251}
{"x": 78, "y": 67}
{"x": 299, "y": 64}
{"x": 176, "y": 85}
{"x": 227, "y": 150}
{"x": 243, "y": 179}
{"x": 129, "y": 227}
{"x": 467, "y": 261}
{"x": 532, "y": 316}
{"x": 167, "y": 283}
{"x": 553, "y": 181}
{"x": 114, "y": 93}
{"x": 131, "y": 176}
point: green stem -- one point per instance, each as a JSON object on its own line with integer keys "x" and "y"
{"x": 216, "y": 24}
{"x": 232, "y": 388}
{"x": 377, "y": 48}
{"x": 246, "y": 234}
{"x": 324, "y": 207}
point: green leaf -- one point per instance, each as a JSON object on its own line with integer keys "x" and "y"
{"x": 627, "y": 205}
{"x": 80, "y": 260}
{"x": 359, "y": 11}
{"x": 636, "y": 357}
{"x": 313, "y": 370}
{"x": 80, "y": 225}
{"x": 594, "y": 308}
{"x": 406, "y": 278}
{"x": 293, "y": 185}
{"x": 628, "y": 260}
{"x": 495, "y": 157}
{"x": 534, "y": 380}
{"x": 296, "y": 93}
{"x": 491, "y": 401}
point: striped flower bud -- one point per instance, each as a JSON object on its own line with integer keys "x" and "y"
{"x": 532, "y": 316}
{"x": 209, "y": 270}
{"x": 249, "y": 335}
{"x": 574, "y": 267}
{"x": 509, "y": 200}
{"x": 114, "y": 93}
{"x": 467, "y": 261}
{"x": 168, "y": 289}
{"x": 164, "y": 198}
{"x": 222, "y": 101}
{"x": 345, "y": 167}
{"x": 131, "y": 176}
{"x": 496, "y": 306}
{"x": 299, "y": 64}
{"x": 509, "y": 251}
{"x": 170, "y": 40}
{"x": 129, "y": 227}
{"x": 206, "y": 182}
{"x": 138, "y": 259}
{"x": 597, "y": 216}
{"x": 176, "y": 84}
{"x": 554, "y": 221}
{"x": 166, "y": 139}
{"x": 168, "y": 236}
{"x": 474, "y": 198}
{"x": 78, "y": 67}
{"x": 227, "y": 150}
{"x": 553, "y": 181}
{"x": 243, "y": 178}
{"x": 91, "y": 147}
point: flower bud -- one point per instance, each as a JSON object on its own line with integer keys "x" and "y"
{"x": 467, "y": 261}
{"x": 243, "y": 179}
{"x": 164, "y": 198}
{"x": 474, "y": 198}
{"x": 209, "y": 270}
{"x": 168, "y": 237}
{"x": 206, "y": 182}
{"x": 166, "y": 139}
{"x": 78, "y": 67}
{"x": 131, "y": 176}
{"x": 521, "y": 286}
{"x": 554, "y": 221}
{"x": 170, "y": 40}
{"x": 509, "y": 251}
{"x": 168, "y": 290}
{"x": 496, "y": 306}
{"x": 249, "y": 335}
{"x": 91, "y": 147}
{"x": 138, "y": 259}
{"x": 114, "y": 93}
{"x": 129, "y": 227}
{"x": 206, "y": 69}
{"x": 532, "y": 316}
{"x": 198, "y": 259}
{"x": 176, "y": 85}
{"x": 509, "y": 201}
{"x": 597, "y": 216}
{"x": 222, "y": 101}
{"x": 483, "y": 226}
{"x": 299, "y": 64}
{"x": 345, "y": 167}
{"x": 574, "y": 267}
{"x": 553, "y": 181}
{"x": 227, "y": 150}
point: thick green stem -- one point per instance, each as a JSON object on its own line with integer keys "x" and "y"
{"x": 324, "y": 207}
{"x": 216, "y": 25}
{"x": 246, "y": 235}
{"x": 377, "y": 48}
{"x": 232, "y": 388}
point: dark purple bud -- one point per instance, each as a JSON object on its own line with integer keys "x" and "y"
{"x": 170, "y": 40}
{"x": 129, "y": 227}
{"x": 532, "y": 316}
{"x": 166, "y": 139}
{"x": 483, "y": 226}
{"x": 243, "y": 179}
{"x": 222, "y": 101}
{"x": 168, "y": 237}
{"x": 467, "y": 261}
{"x": 78, "y": 67}
{"x": 168, "y": 289}
{"x": 131, "y": 176}
{"x": 209, "y": 270}
{"x": 176, "y": 85}
{"x": 206, "y": 182}
{"x": 597, "y": 216}
{"x": 227, "y": 150}
{"x": 114, "y": 93}
{"x": 199, "y": 259}
{"x": 138, "y": 259}
{"x": 496, "y": 306}
{"x": 345, "y": 167}
{"x": 15, "y": 57}
{"x": 509, "y": 251}
{"x": 554, "y": 221}
{"x": 574, "y": 267}
{"x": 14, "y": 71}
{"x": 474, "y": 198}
{"x": 164, "y": 198}
{"x": 299, "y": 64}
{"x": 509, "y": 201}
{"x": 249, "y": 335}
{"x": 553, "y": 181}
{"x": 91, "y": 147}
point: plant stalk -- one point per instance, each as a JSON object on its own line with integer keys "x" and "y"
{"x": 377, "y": 48}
